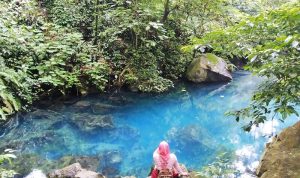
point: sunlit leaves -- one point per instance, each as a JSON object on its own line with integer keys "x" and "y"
{"x": 270, "y": 42}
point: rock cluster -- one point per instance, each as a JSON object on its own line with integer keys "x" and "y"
{"x": 281, "y": 158}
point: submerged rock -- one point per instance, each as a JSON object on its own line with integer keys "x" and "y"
{"x": 118, "y": 100}
{"x": 102, "y": 108}
{"x": 88, "y": 123}
{"x": 282, "y": 156}
{"x": 194, "y": 140}
{"x": 113, "y": 157}
{"x": 111, "y": 163}
{"x": 208, "y": 68}
{"x": 41, "y": 114}
{"x": 82, "y": 105}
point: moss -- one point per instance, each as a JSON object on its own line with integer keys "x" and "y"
{"x": 193, "y": 67}
{"x": 212, "y": 58}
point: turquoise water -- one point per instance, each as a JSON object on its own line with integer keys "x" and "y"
{"x": 191, "y": 118}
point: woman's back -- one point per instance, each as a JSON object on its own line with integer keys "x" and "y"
{"x": 164, "y": 164}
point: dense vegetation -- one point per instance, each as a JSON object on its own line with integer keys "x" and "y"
{"x": 54, "y": 47}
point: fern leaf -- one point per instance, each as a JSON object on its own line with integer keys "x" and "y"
{"x": 11, "y": 77}
{"x": 2, "y": 115}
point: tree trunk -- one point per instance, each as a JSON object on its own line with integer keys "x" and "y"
{"x": 97, "y": 21}
{"x": 166, "y": 11}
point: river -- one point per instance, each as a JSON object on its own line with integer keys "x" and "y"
{"x": 190, "y": 117}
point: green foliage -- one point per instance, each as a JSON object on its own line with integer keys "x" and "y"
{"x": 222, "y": 167}
{"x": 4, "y": 173}
{"x": 143, "y": 51}
{"x": 131, "y": 38}
{"x": 39, "y": 58}
{"x": 270, "y": 41}
{"x": 195, "y": 16}
{"x": 72, "y": 14}
{"x": 13, "y": 90}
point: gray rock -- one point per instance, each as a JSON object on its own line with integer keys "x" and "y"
{"x": 88, "y": 174}
{"x": 208, "y": 68}
{"x": 282, "y": 156}
{"x": 88, "y": 162}
{"x": 69, "y": 171}
{"x": 86, "y": 122}
{"x": 74, "y": 171}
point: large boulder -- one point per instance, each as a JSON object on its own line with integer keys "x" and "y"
{"x": 208, "y": 68}
{"x": 74, "y": 171}
{"x": 282, "y": 156}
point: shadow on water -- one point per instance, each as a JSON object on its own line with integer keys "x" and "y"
{"x": 117, "y": 134}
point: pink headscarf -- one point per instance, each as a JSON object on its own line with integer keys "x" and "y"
{"x": 164, "y": 153}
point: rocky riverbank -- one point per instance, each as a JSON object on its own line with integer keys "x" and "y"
{"x": 281, "y": 158}
{"x": 77, "y": 171}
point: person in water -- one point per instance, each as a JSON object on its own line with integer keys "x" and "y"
{"x": 164, "y": 160}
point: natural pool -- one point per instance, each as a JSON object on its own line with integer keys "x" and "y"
{"x": 118, "y": 133}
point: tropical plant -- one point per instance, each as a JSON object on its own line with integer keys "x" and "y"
{"x": 13, "y": 91}
{"x": 4, "y": 173}
{"x": 38, "y": 59}
{"x": 221, "y": 167}
{"x": 270, "y": 41}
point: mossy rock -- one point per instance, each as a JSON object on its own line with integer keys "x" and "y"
{"x": 282, "y": 155}
{"x": 208, "y": 68}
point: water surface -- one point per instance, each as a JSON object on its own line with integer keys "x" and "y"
{"x": 191, "y": 118}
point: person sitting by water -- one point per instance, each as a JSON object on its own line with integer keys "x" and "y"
{"x": 166, "y": 161}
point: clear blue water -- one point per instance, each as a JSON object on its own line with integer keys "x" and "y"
{"x": 191, "y": 118}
